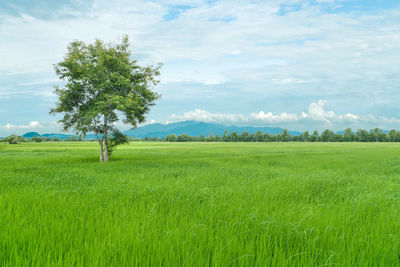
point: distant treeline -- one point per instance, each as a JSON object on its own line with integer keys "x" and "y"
{"x": 374, "y": 135}
{"x": 16, "y": 139}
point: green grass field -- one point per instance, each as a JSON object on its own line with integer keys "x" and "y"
{"x": 200, "y": 204}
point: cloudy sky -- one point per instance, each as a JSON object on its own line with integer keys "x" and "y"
{"x": 312, "y": 64}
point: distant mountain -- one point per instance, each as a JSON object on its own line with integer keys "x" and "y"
{"x": 31, "y": 135}
{"x": 52, "y": 135}
{"x": 194, "y": 128}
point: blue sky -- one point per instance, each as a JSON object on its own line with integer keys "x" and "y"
{"x": 297, "y": 64}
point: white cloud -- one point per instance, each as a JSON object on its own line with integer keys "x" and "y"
{"x": 316, "y": 117}
{"x": 40, "y": 82}
{"x": 192, "y": 76}
{"x": 201, "y": 115}
{"x": 308, "y": 35}
{"x": 271, "y": 118}
{"x": 33, "y": 126}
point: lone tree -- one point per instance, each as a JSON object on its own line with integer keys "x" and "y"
{"x": 103, "y": 86}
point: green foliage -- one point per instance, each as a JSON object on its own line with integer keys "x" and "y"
{"x": 115, "y": 140}
{"x": 201, "y": 138}
{"x": 348, "y": 135}
{"x": 362, "y": 135}
{"x": 171, "y": 138}
{"x": 328, "y": 136}
{"x": 183, "y": 138}
{"x": 374, "y": 135}
{"x": 37, "y": 139}
{"x": 285, "y": 136}
{"x": 203, "y": 204}
{"x": 15, "y": 139}
{"x": 103, "y": 86}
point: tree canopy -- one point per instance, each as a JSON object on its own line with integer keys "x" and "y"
{"x": 104, "y": 85}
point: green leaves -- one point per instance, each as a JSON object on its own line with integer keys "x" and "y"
{"x": 115, "y": 140}
{"x": 14, "y": 139}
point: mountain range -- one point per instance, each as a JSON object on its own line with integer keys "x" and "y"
{"x": 57, "y": 135}
{"x": 192, "y": 128}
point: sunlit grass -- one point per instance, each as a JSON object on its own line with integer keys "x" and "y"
{"x": 200, "y": 204}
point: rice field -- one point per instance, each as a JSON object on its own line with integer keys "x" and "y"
{"x": 200, "y": 204}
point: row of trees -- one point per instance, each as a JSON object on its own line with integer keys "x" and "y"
{"x": 16, "y": 139}
{"x": 374, "y": 135}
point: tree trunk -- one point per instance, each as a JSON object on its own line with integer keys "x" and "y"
{"x": 105, "y": 137}
{"x": 101, "y": 149}
{"x": 106, "y": 156}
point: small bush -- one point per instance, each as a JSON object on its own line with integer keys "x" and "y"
{"x": 15, "y": 139}
{"x": 37, "y": 139}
